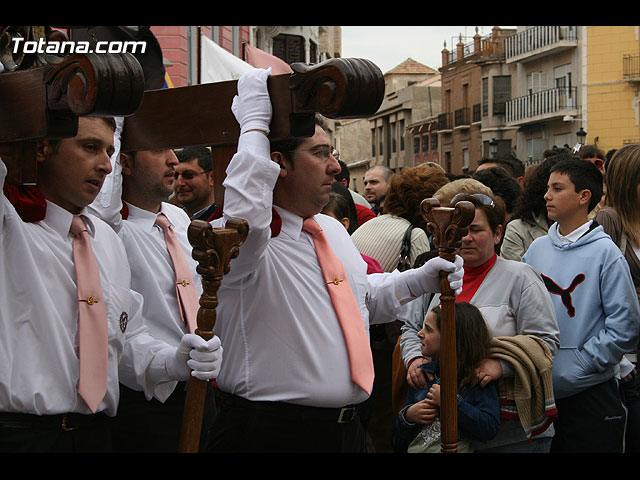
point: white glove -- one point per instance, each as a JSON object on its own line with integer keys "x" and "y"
{"x": 427, "y": 278}
{"x": 197, "y": 357}
{"x": 252, "y": 106}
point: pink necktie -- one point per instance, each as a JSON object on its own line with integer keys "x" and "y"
{"x": 185, "y": 288}
{"x": 92, "y": 322}
{"x": 346, "y": 307}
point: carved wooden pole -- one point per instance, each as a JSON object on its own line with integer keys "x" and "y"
{"x": 213, "y": 248}
{"x": 448, "y": 225}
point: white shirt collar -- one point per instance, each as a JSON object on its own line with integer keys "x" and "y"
{"x": 144, "y": 218}
{"x": 291, "y": 223}
{"x": 576, "y": 234}
{"x": 59, "y": 219}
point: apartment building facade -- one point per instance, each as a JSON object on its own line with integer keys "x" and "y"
{"x": 547, "y": 105}
{"x": 412, "y": 94}
{"x": 475, "y": 87}
{"x": 612, "y": 84}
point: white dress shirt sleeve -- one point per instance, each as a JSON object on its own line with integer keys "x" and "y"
{"x": 251, "y": 178}
{"x": 108, "y": 204}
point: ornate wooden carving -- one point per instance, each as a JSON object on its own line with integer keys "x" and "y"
{"x": 448, "y": 225}
{"x": 95, "y": 84}
{"x": 42, "y": 96}
{"x": 213, "y": 248}
{"x": 337, "y": 88}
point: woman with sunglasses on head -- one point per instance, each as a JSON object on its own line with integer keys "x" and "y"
{"x": 620, "y": 218}
{"x": 514, "y": 303}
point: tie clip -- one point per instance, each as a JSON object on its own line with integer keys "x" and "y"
{"x": 335, "y": 281}
{"x": 89, "y": 300}
{"x": 184, "y": 283}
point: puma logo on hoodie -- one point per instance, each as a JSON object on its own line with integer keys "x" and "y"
{"x": 565, "y": 294}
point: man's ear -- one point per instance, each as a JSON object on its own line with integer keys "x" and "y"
{"x": 280, "y": 159}
{"x": 126, "y": 161}
{"x": 585, "y": 197}
{"x": 43, "y": 150}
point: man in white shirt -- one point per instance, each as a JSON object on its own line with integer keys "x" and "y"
{"x": 286, "y": 375}
{"x": 140, "y": 183}
{"x": 40, "y": 407}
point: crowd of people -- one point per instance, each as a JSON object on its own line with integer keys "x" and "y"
{"x": 328, "y": 324}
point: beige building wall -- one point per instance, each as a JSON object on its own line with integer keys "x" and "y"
{"x": 612, "y": 100}
{"x": 412, "y": 93}
{"x": 353, "y": 141}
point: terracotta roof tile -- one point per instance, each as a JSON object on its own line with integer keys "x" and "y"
{"x": 410, "y": 66}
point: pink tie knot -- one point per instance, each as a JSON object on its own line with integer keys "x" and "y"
{"x": 310, "y": 226}
{"x": 77, "y": 225}
{"x": 162, "y": 221}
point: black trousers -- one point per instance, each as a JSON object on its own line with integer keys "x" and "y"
{"x": 591, "y": 421}
{"x": 631, "y": 393}
{"x": 150, "y": 426}
{"x": 275, "y": 427}
{"x": 68, "y": 433}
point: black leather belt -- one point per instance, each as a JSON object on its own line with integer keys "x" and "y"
{"x": 304, "y": 412}
{"x": 63, "y": 421}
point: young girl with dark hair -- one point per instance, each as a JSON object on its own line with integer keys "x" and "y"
{"x": 417, "y": 428}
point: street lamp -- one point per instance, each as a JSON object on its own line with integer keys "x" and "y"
{"x": 581, "y": 136}
{"x": 493, "y": 144}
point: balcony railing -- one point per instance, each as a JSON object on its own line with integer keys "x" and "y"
{"x": 444, "y": 121}
{"x": 462, "y": 117}
{"x": 477, "y": 113}
{"x": 536, "y": 38}
{"x": 631, "y": 65}
{"x": 544, "y": 103}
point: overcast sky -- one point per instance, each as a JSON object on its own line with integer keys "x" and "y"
{"x": 389, "y": 46}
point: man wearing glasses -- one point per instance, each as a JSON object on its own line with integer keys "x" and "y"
{"x": 193, "y": 186}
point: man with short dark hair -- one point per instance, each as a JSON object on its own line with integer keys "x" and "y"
{"x": 509, "y": 162}
{"x": 291, "y": 381}
{"x": 194, "y": 182}
{"x": 44, "y": 406}
{"x": 142, "y": 181}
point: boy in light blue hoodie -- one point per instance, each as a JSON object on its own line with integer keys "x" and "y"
{"x": 597, "y": 309}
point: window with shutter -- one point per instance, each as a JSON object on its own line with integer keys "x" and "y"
{"x": 501, "y": 93}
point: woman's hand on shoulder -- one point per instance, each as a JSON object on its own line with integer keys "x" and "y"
{"x": 489, "y": 370}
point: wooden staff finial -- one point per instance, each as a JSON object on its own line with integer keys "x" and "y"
{"x": 448, "y": 225}
{"x": 213, "y": 248}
